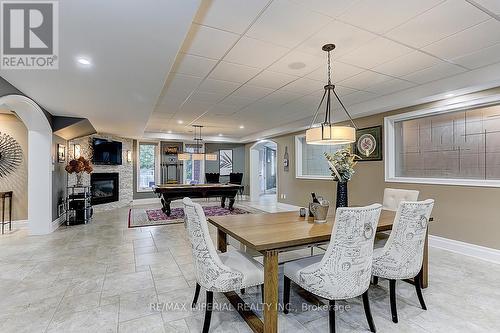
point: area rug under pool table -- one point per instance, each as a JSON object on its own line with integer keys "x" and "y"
{"x": 147, "y": 217}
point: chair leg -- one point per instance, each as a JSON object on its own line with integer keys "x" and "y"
{"x": 196, "y": 294}
{"x": 262, "y": 292}
{"x": 418, "y": 287}
{"x": 286, "y": 294}
{"x": 331, "y": 315}
{"x": 242, "y": 291}
{"x": 208, "y": 311}
{"x": 392, "y": 294}
{"x": 375, "y": 280}
{"x": 368, "y": 312}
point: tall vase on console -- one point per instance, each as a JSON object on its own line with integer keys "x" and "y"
{"x": 341, "y": 164}
{"x": 342, "y": 200}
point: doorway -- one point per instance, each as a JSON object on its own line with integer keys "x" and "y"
{"x": 263, "y": 171}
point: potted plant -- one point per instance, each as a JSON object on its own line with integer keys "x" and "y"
{"x": 79, "y": 166}
{"x": 341, "y": 164}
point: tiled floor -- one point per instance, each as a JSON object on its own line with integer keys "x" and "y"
{"x": 102, "y": 277}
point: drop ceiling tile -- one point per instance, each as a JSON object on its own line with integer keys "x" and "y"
{"x": 287, "y": 24}
{"x": 364, "y": 80}
{"x": 281, "y": 97}
{"x": 468, "y": 41}
{"x": 327, "y": 7}
{"x": 208, "y": 42}
{"x": 181, "y": 82}
{"x": 483, "y": 57}
{"x": 255, "y": 53}
{"x": 270, "y": 79}
{"x": 298, "y": 63}
{"x": 250, "y": 91}
{"x": 433, "y": 73}
{"x": 303, "y": 86}
{"x": 390, "y": 86}
{"x": 407, "y": 64}
{"x": 218, "y": 86}
{"x": 441, "y": 21}
{"x": 228, "y": 71}
{"x": 237, "y": 101}
{"x": 230, "y": 15}
{"x": 345, "y": 37}
{"x": 491, "y": 5}
{"x": 374, "y": 16}
{"x": 340, "y": 71}
{"x": 193, "y": 65}
{"x": 358, "y": 97}
{"x": 374, "y": 53}
{"x": 221, "y": 109}
{"x": 206, "y": 97}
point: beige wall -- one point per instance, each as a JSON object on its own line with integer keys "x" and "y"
{"x": 464, "y": 213}
{"x": 16, "y": 181}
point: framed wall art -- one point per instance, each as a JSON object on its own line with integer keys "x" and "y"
{"x": 225, "y": 162}
{"x": 368, "y": 145}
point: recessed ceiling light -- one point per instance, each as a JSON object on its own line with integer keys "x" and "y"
{"x": 220, "y": 134}
{"x": 169, "y": 132}
{"x": 83, "y": 61}
{"x": 180, "y": 122}
{"x": 242, "y": 127}
{"x": 449, "y": 95}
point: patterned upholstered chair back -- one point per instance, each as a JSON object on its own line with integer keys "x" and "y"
{"x": 345, "y": 269}
{"x": 402, "y": 255}
{"x": 394, "y": 196}
{"x": 210, "y": 272}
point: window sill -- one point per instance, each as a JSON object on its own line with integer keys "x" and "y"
{"x": 445, "y": 181}
{"x": 144, "y": 190}
{"x": 315, "y": 177}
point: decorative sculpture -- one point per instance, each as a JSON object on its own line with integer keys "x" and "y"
{"x": 11, "y": 154}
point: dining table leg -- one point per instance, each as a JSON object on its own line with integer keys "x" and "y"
{"x": 270, "y": 306}
{"x": 221, "y": 240}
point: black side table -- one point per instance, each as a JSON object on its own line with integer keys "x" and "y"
{"x": 5, "y": 195}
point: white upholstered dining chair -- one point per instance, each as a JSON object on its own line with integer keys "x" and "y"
{"x": 393, "y": 196}
{"x": 344, "y": 271}
{"x": 216, "y": 272}
{"x": 402, "y": 256}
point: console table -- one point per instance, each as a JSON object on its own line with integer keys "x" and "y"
{"x": 78, "y": 205}
{"x": 3, "y": 196}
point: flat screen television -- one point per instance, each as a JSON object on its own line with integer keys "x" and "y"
{"x": 107, "y": 152}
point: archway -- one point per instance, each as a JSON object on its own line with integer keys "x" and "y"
{"x": 39, "y": 161}
{"x": 263, "y": 170}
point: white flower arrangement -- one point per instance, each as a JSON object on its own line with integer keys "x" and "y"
{"x": 341, "y": 164}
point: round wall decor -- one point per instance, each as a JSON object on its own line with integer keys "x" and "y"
{"x": 11, "y": 154}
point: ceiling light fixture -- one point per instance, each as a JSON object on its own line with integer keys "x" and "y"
{"x": 220, "y": 134}
{"x": 83, "y": 61}
{"x": 169, "y": 132}
{"x": 328, "y": 133}
{"x": 180, "y": 122}
{"x": 242, "y": 127}
{"x": 198, "y": 155}
{"x": 449, "y": 95}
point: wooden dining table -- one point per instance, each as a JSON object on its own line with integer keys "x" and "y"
{"x": 272, "y": 233}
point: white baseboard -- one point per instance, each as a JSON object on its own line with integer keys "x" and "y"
{"x": 147, "y": 201}
{"x": 471, "y": 250}
{"x": 57, "y": 222}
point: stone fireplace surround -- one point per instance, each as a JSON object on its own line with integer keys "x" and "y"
{"x": 125, "y": 170}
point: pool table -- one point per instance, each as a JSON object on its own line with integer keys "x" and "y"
{"x": 169, "y": 192}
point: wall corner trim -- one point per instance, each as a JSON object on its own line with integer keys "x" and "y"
{"x": 468, "y": 249}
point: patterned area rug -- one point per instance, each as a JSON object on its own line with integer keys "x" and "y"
{"x": 146, "y": 217}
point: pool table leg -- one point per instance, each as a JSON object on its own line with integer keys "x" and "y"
{"x": 231, "y": 203}
{"x": 223, "y": 202}
{"x": 166, "y": 206}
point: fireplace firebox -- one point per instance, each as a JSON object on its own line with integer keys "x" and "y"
{"x": 104, "y": 187}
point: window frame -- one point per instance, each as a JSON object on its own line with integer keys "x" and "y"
{"x": 298, "y": 162}
{"x": 457, "y": 104}
{"x": 156, "y": 144}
